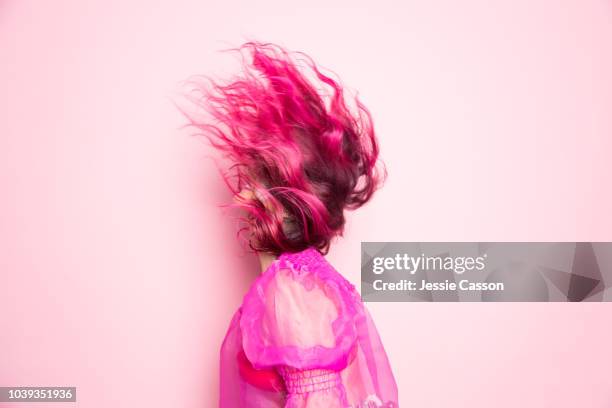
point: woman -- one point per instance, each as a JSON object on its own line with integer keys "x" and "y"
{"x": 300, "y": 156}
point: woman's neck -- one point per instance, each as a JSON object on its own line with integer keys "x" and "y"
{"x": 265, "y": 260}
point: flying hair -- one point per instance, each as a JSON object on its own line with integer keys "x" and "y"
{"x": 300, "y": 155}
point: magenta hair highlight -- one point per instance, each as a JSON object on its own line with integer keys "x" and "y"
{"x": 299, "y": 152}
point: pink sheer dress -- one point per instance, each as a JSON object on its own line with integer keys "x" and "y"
{"x": 303, "y": 338}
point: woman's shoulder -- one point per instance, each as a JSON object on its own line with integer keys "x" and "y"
{"x": 300, "y": 299}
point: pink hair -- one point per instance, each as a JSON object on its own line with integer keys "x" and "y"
{"x": 297, "y": 147}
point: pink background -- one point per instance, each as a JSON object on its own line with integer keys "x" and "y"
{"x": 119, "y": 274}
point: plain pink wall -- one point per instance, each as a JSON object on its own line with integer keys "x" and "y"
{"x": 119, "y": 274}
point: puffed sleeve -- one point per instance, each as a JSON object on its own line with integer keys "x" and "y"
{"x": 301, "y": 322}
{"x": 298, "y": 318}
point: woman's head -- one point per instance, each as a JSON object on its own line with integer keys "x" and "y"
{"x": 300, "y": 154}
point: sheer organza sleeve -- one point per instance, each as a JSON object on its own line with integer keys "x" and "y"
{"x": 300, "y": 321}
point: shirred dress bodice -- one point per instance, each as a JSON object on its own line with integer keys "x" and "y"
{"x": 303, "y": 338}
